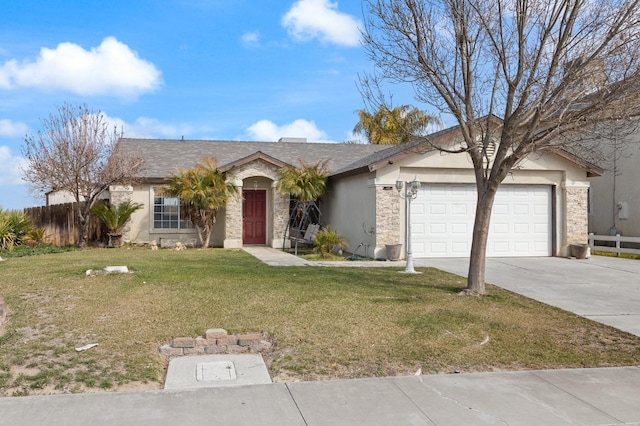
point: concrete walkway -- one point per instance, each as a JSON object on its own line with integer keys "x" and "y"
{"x": 564, "y": 397}
{"x": 602, "y": 396}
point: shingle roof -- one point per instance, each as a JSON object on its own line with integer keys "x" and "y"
{"x": 391, "y": 153}
{"x": 164, "y": 157}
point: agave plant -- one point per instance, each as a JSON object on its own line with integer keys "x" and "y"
{"x": 115, "y": 217}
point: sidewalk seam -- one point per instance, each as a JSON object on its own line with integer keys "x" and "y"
{"x": 577, "y": 397}
{"x": 296, "y": 403}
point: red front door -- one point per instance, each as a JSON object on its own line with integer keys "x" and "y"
{"x": 254, "y": 224}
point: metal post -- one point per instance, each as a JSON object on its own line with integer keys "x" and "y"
{"x": 410, "y": 193}
{"x": 409, "y": 266}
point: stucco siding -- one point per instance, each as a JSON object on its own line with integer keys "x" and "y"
{"x": 350, "y": 208}
{"x": 615, "y": 196}
{"x": 141, "y": 229}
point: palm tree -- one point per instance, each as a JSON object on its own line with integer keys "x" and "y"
{"x": 115, "y": 217}
{"x": 307, "y": 183}
{"x": 393, "y": 126}
{"x": 203, "y": 190}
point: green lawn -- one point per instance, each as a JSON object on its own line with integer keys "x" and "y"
{"x": 325, "y": 322}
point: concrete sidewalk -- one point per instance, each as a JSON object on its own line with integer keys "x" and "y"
{"x": 606, "y": 396}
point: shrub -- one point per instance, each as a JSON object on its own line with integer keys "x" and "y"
{"x": 115, "y": 217}
{"x": 20, "y": 223}
{"x": 34, "y": 237}
{"x": 327, "y": 240}
{"x": 7, "y": 236}
{"x": 14, "y": 226}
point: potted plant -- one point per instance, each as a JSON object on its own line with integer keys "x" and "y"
{"x": 114, "y": 217}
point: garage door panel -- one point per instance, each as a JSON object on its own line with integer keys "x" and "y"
{"x": 458, "y": 209}
{"x": 437, "y": 209}
{"x": 520, "y": 221}
{"x": 540, "y": 209}
{"x": 541, "y": 228}
{"x": 459, "y": 229}
{"x": 500, "y": 209}
{"x": 438, "y": 248}
{"x": 418, "y": 228}
{"x": 460, "y": 249}
{"x": 500, "y": 228}
{"x": 437, "y": 228}
{"x": 521, "y": 209}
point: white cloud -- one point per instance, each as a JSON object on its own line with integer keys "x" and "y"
{"x": 149, "y": 128}
{"x": 10, "y": 167}
{"x": 12, "y": 129}
{"x": 111, "y": 68}
{"x": 265, "y": 130}
{"x": 250, "y": 39}
{"x": 309, "y": 19}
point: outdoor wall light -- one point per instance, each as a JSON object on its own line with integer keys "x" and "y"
{"x": 410, "y": 195}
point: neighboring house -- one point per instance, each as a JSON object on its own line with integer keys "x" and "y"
{"x": 539, "y": 210}
{"x": 53, "y": 198}
{"x": 614, "y": 198}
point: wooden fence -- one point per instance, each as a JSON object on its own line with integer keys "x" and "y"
{"x": 618, "y": 243}
{"x": 61, "y": 225}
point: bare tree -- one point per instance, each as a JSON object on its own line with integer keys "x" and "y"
{"x": 520, "y": 76}
{"x": 76, "y": 152}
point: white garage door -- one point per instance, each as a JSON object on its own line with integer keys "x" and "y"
{"x": 442, "y": 221}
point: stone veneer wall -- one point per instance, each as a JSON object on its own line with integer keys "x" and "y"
{"x": 387, "y": 217}
{"x": 258, "y": 168}
{"x": 280, "y": 216}
{"x": 577, "y": 215}
{"x": 233, "y": 221}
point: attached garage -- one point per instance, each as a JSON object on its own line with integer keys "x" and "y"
{"x": 442, "y": 219}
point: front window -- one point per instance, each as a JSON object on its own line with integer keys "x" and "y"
{"x": 167, "y": 214}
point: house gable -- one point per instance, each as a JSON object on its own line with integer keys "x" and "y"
{"x": 255, "y": 157}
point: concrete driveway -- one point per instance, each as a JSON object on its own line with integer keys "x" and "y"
{"x": 604, "y": 289}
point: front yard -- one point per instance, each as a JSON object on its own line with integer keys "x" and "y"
{"x": 325, "y": 323}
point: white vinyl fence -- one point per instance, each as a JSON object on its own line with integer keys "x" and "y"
{"x": 619, "y": 243}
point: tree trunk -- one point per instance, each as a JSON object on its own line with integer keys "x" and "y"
{"x": 477, "y": 258}
{"x": 206, "y": 237}
{"x": 83, "y": 218}
{"x": 200, "y": 231}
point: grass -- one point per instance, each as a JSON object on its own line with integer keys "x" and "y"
{"x": 325, "y": 322}
{"x": 610, "y": 254}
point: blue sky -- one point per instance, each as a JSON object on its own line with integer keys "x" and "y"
{"x": 202, "y": 69}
